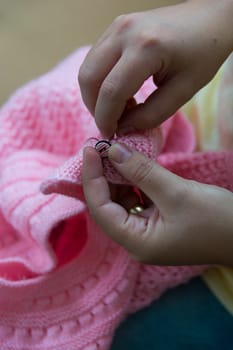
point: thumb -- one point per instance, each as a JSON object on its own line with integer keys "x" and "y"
{"x": 159, "y": 106}
{"x": 159, "y": 184}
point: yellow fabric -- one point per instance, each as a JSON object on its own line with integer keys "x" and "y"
{"x": 220, "y": 281}
{"x": 203, "y": 112}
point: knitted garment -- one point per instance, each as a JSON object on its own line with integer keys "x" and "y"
{"x": 63, "y": 283}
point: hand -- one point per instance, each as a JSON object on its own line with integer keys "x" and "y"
{"x": 186, "y": 222}
{"x": 181, "y": 46}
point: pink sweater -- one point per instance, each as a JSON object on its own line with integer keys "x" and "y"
{"x": 64, "y": 284}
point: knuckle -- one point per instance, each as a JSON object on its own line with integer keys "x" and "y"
{"x": 119, "y": 19}
{"x": 134, "y": 241}
{"x": 85, "y": 75}
{"x": 139, "y": 243}
{"x": 124, "y": 22}
{"x": 148, "y": 41}
{"x": 142, "y": 171}
{"x": 109, "y": 89}
{"x": 128, "y": 230}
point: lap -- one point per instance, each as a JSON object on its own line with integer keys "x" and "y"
{"x": 186, "y": 317}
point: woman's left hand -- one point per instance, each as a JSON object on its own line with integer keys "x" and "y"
{"x": 185, "y": 222}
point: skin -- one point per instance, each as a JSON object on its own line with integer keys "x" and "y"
{"x": 186, "y": 222}
{"x": 182, "y": 47}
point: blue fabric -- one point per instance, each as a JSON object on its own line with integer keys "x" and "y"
{"x": 187, "y": 317}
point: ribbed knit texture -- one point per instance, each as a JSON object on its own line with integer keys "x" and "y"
{"x": 64, "y": 284}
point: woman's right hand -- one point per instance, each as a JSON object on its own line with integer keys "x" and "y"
{"x": 181, "y": 46}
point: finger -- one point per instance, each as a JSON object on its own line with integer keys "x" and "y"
{"x": 123, "y": 81}
{"x": 126, "y": 229}
{"x": 98, "y": 63}
{"x": 112, "y": 31}
{"x": 160, "y": 185}
{"x": 160, "y": 105}
{"x": 93, "y": 180}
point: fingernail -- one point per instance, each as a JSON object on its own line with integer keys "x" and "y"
{"x": 119, "y": 153}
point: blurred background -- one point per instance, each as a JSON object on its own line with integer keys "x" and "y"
{"x": 35, "y": 35}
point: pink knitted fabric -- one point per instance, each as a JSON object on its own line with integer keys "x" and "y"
{"x": 63, "y": 283}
